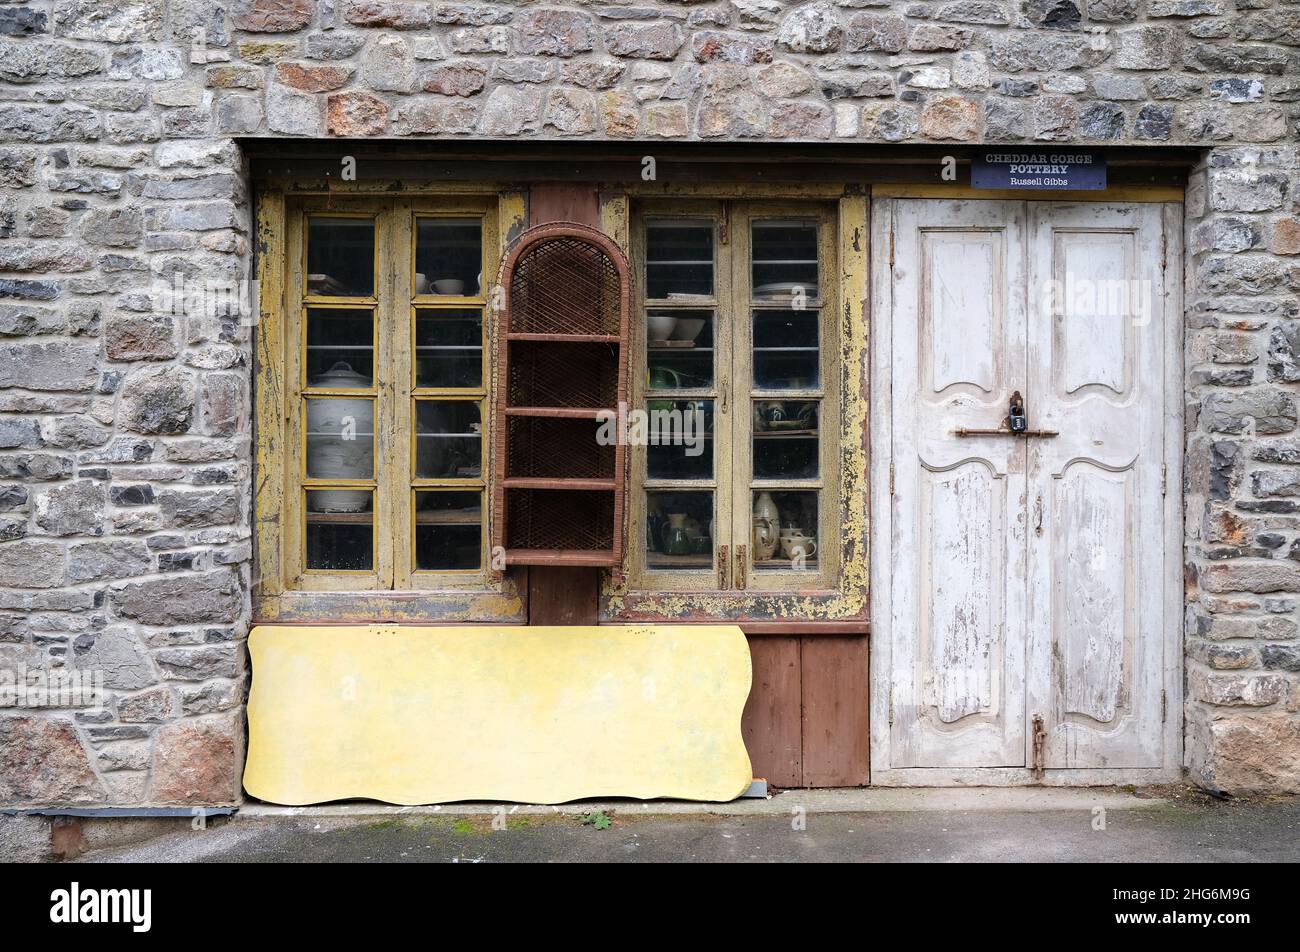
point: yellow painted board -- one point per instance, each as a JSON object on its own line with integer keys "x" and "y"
{"x": 415, "y": 715}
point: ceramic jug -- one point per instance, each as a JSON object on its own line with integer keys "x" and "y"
{"x": 676, "y": 539}
{"x": 767, "y": 527}
{"x": 341, "y": 439}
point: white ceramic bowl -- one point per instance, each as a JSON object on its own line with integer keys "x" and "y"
{"x": 449, "y": 286}
{"x": 661, "y": 326}
{"x": 341, "y": 500}
{"x": 688, "y": 328}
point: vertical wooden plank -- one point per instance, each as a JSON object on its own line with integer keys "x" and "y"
{"x": 614, "y": 220}
{"x": 268, "y": 392}
{"x": 771, "y": 723}
{"x": 835, "y": 705}
{"x": 393, "y": 413}
{"x": 563, "y": 595}
{"x": 292, "y": 518}
{"x": 563, "y": 201}
{"x": 512, "y": 218}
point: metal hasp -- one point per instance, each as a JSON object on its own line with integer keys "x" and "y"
{"x": 1004, "y": 431}
{"x": 1039, "y": 741}
{"x": 1016, "y": 423}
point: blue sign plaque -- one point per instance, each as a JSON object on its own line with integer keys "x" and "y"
{"x": 1063, "y": 168}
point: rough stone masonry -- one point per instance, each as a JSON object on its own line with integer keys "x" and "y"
{"x": 125, "y": 424}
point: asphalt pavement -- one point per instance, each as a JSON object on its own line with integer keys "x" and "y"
{"x": 794, "y": 826}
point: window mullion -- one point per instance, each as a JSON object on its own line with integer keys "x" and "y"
{"x": 394, "y": 361}
{"x": 294, "y": 463}
{"x": 738, "y": 360}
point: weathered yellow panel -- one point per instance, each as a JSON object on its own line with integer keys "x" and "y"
{"x": 536, "y": 715}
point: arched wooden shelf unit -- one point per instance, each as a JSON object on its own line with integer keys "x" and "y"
{"x": 561, "y": 362}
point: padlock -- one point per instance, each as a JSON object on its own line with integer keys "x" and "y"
{"x": 1017, "y": 419}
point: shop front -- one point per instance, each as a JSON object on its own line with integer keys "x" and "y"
{"x": 915, "y": 438}
{"x": 893, "y": 395}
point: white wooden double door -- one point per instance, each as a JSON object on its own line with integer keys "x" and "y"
{"x": 1026, "y": 586}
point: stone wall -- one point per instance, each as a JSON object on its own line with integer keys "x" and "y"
{"x": 125, "y": 72}
{"x": 124, "y": 417}
{"x": 1243, "y": 470}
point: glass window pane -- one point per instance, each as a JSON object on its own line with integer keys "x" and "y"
{"x": 340, "y": 438}
{"x": 448, "y": 530}
{"x": 340, "y": 336}
{"x": 679, "y": 439}
{"x": 449, "y": 256}
{"x": 449, "y": 348}
{"x": 679, "y": 530}
{"x": 341, "y": 256}
{"x": 786, "y": 443}
{"x": 679, "y": 349}
{"x": 784, "y": 530}
{"x": 679, "y": 257}
{"x": 786, "y": 354}
{"x": 784, "y": 258}
{"x": 340, "y": 530}
{"x": 448, "y": 439}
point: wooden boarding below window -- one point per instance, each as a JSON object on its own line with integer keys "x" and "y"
{"x": 416, "y": 715}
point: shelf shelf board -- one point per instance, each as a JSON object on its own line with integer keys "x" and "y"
{"x": 561, "y": 413}
{"x": 658, "y": 560}
{"x": 449, "y": 518}
{"x": 785, "y": 434}
{"x": 522, "y": 337}
{"x": 341, "y": 518}
{"x": 560, "y": 483}
{"x": 591, "y": 558}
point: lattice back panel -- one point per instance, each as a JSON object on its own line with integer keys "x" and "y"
{"x": 559, "y": 520}
{"x": 543, "y": 447}
{"x": 565, "y": 285}
{"x": 553, "y": 374}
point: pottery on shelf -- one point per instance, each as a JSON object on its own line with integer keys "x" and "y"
{"x": 449, "y": 286}
{"x": 687, "y": 328}
{"x": 664, "y": 378}
{"x": 421, "y": 283}
{"x": 660, "y": 326}
{"x": 798, "y": 545}
{"x": 676, "y": 540}
{"x": 340, "y": 440}
{"x": 767, "y": 527}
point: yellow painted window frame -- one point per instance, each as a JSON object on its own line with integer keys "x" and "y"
{"x": 395, "y": 589}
